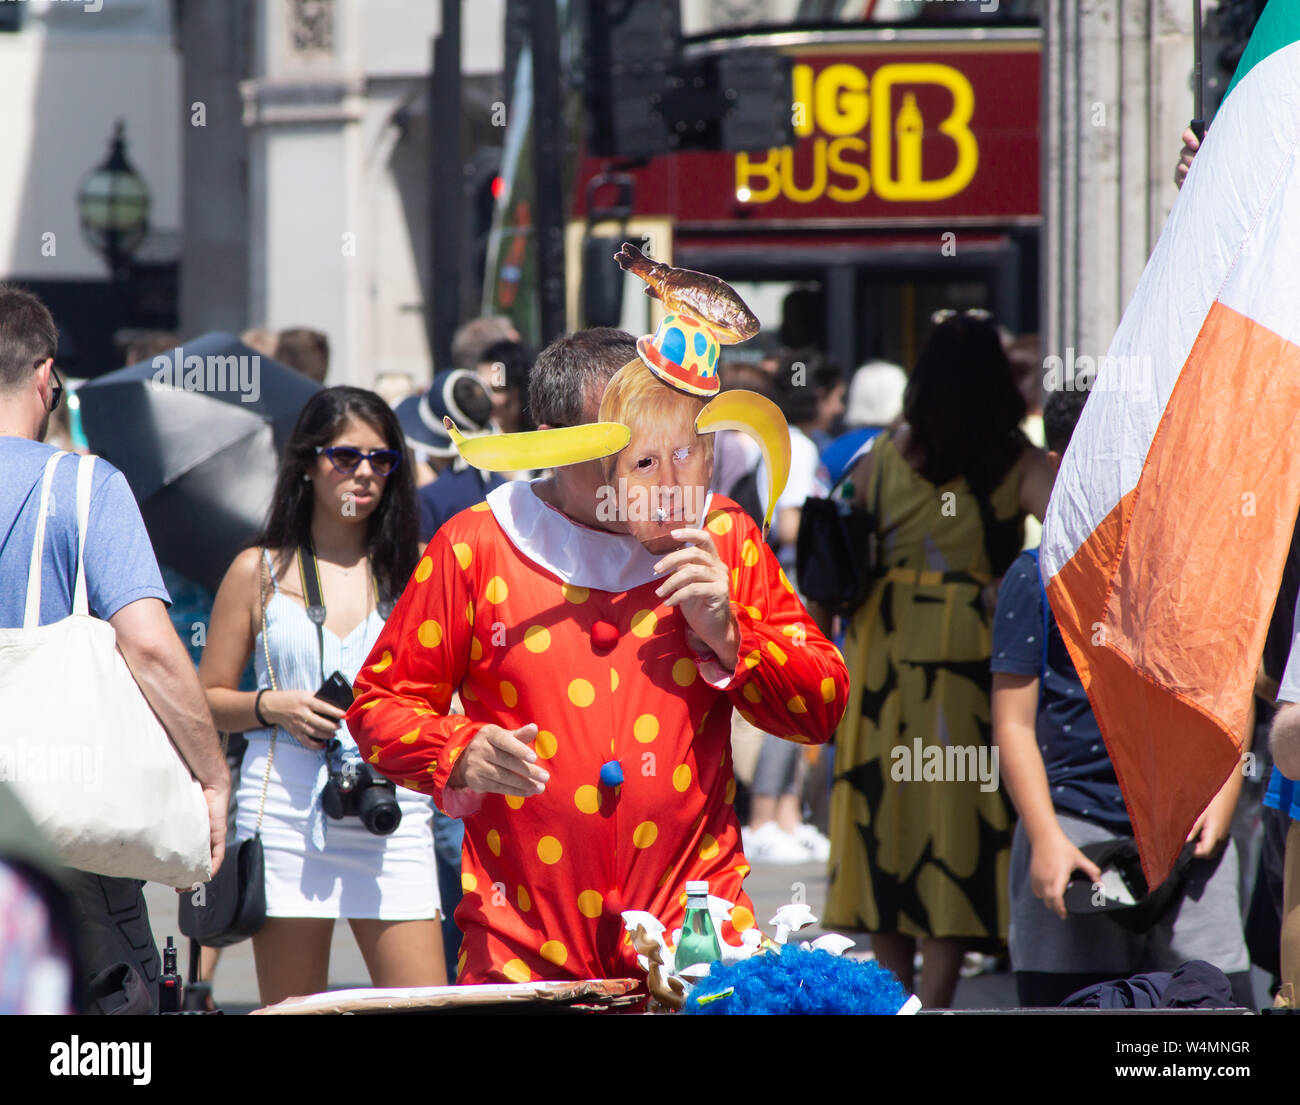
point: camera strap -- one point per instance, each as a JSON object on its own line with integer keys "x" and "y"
{"x": 314, "y": 594}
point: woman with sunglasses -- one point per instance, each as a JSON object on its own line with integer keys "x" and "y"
{"x": 344, "y": 509}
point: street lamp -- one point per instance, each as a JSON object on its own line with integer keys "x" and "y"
{"x": 113, "y": 202}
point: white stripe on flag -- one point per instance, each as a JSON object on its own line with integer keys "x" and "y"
{"x": 1235, "y": 233}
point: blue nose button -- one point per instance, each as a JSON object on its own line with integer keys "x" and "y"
{"x": 611, "y": 773}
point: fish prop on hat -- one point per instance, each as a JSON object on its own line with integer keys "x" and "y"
{"x": 697, "y": 294}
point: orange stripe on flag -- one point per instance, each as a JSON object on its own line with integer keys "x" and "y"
{"x": 1165, "y": 606}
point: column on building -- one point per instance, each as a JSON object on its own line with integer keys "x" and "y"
{"x": 214, "y": 43}
{"x": 303, "y": 108}
{"x": 1116, "y": 97}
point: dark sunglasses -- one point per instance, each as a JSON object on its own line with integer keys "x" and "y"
{"x": 345, "y": 459}
{"x": 57, "y": 393}
{"x": 977, "y": 313}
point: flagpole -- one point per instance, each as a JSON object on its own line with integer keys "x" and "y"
{"x": 1198, "y": 107}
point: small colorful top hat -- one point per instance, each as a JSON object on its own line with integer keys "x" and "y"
{"x": 684, "y": 354}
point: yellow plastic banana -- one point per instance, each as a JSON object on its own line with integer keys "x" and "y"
{"x": 762, "y": 420}
{"x": 540, "y": 448}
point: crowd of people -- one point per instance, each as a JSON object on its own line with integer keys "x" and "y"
{"x": 519, "y": 658}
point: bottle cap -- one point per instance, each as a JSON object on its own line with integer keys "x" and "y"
{"x": 698, "y": 888}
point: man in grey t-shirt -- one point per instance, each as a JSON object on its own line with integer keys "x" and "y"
{"x": 123, "y": 587}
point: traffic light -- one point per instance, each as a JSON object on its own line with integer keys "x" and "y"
{"x": 629, "y": 49}
{"x": 482, "y": 187}
{"x": 643, "y": 98}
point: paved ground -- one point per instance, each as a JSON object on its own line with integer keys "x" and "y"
{"x": 770, "y": 886}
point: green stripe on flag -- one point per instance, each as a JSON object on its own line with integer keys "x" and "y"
{"x": 1278, "y": 26}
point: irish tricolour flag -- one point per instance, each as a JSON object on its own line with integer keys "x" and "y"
{"x": 1167, "y": 531}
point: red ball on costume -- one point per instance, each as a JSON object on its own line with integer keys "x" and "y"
{"x": 604, "y": 635}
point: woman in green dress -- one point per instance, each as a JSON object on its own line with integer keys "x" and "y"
{"x": 920, "y": 831}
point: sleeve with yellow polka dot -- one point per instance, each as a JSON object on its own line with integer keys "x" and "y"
{"x": 789, "y": 679}
{"x": 400, "y": 716}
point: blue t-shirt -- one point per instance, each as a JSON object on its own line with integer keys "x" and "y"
{"x": 1283, "y": 793}
{"x": 451, "y": 493}
{"x": 840, "y": 452}
{"x": 119, "y": 558}
{"x": 1079, "y": 772}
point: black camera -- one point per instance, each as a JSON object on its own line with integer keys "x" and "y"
{"x": 355, "y": 789}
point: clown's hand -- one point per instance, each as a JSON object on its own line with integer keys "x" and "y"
{"x": 697, "y": 582}
{"x": 499, "y": 761}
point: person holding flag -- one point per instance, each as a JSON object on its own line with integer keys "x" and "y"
{"x": 1174, "y": 508}
{"x": 1057, "y": 772}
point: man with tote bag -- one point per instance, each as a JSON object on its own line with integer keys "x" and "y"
{"x": 122, "y": 586}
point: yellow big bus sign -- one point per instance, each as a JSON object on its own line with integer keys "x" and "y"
{"x": 863, "y": 134}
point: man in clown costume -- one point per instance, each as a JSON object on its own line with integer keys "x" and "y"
{"x": 597, "y": 668}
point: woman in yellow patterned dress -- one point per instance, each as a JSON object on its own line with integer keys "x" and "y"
{"x": 920, "y": 836}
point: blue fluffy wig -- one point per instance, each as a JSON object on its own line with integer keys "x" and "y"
{"x": 797, "y": 981}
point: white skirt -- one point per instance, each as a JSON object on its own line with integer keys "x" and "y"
{"x": 359, "y": 874}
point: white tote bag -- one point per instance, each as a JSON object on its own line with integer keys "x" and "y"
{"x": 80, "y": 744}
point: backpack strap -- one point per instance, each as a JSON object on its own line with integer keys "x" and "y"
{"x": 32, "y": 611}
{"x": 85, "y": 481}
{"x": 309, "y": 571}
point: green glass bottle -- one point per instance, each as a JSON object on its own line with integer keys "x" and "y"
{"x": 699, "y": 941}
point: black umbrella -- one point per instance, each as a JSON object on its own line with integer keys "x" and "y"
{"x": 198, "y": 433}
